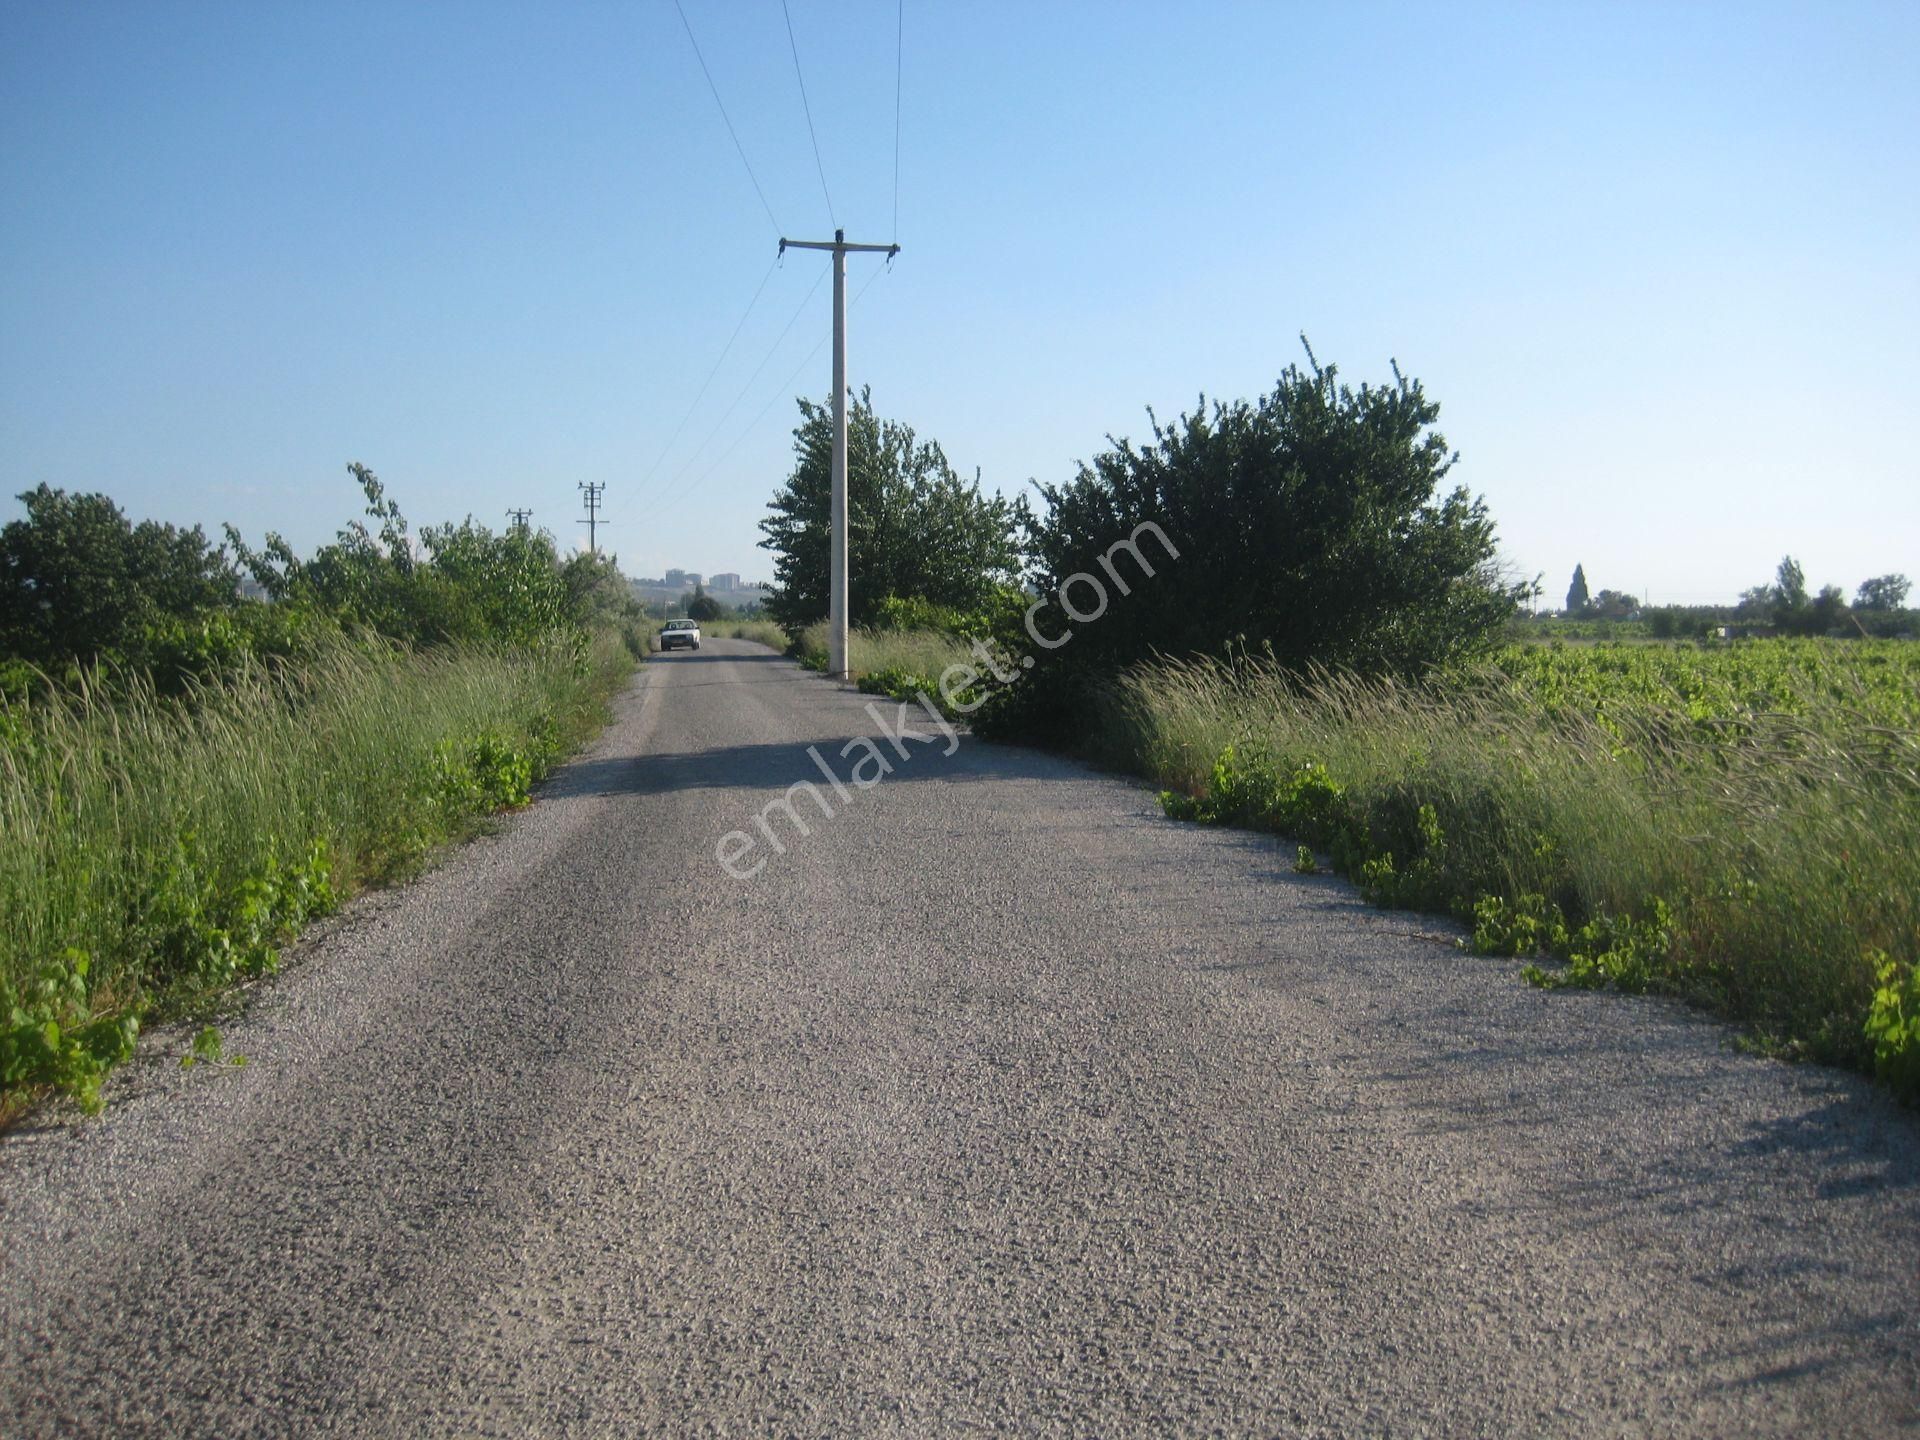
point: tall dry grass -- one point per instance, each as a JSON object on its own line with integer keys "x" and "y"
{"x": 922, "y": 653}
{"x": 115, "y": 801}
{"x": 1788, "y": 846}
{"x": 761, "y": 632}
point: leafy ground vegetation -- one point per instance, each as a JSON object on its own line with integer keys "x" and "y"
{"x": 184, "y": 785}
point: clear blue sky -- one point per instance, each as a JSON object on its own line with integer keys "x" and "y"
{"x": 1660, "y": 265}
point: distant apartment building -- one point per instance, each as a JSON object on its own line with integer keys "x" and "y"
{"x": 676, "y": 585}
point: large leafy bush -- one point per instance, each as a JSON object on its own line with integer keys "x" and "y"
{"x": 1310, "y": 524}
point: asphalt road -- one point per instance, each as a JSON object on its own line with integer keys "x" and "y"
{"x": 994, "y": 1103}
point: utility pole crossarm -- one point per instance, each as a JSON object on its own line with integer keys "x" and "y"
{"x": 888, "y": 250}
{"x": 591, "y": 491}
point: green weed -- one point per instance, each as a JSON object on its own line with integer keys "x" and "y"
{"x": 1736, "y": 826}
{"x": 209, "y": 1049}
{"x": 52, "y": 1037}
{"x": 167, "y": 848}
{"x": 1893, "y": 1025}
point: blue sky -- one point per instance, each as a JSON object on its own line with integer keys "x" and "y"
{"x": 1657, "y": 264}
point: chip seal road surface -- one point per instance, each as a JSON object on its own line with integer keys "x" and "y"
{"x": 994, "y": 1103}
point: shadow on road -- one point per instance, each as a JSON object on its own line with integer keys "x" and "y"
{"x": 702, "y": 657}
{"x": 749, "y": 767}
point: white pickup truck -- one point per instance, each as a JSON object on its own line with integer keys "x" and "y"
{"x": 676, "y": 634}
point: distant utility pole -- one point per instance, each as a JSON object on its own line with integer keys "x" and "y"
{"x": 837, "y": 609}
{"x": 519, "y": 517}
{"x": 593, "y": 490}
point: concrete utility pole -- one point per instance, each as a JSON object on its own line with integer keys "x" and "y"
{"x": 519, "y": 517}
{"x": 593, "y": 490}
{"x": 837, "y": 611}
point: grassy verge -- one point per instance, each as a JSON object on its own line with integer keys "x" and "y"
{"x": 1764, "y": 861}
{"x": 761, "y": 632}
{"x": 155, "y": 852}
{"x": 886, "y": 661}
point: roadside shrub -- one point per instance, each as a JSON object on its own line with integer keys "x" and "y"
{"x": 997, "y": 617}
{"x": 79, "y": 581}
{"x": 761, "y": 632}
{"x": 1308, "y": 525}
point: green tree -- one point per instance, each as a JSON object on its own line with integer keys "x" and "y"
{"x": 1789, "y": 586}
{"x": 1826, "y": 612}
{"x": 1787, "y": 606}
{"x": 456, "y": 582}
{"x": 1310, "y": 521}
{"x": 1756, "y": 605}
{"x": 703, "y": 607}
{"x": 362, "y": 578}
{"x": 1790, "y": 608}
{"x": 1577, "y": 598}
{"x": 1883, "y": 593}
{"x": 1668, "y": 622}
{"x": 496, "y": 587}
{"x": 915, "y": 529}
{"x": 78, "y": 580}
{"x": 1613, "y": 605}
{"x": 597, "y": 591}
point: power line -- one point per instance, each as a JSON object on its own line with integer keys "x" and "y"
{"x": 899, "y": 49}
{"x": 773, "y": 399}
{"x": 820, "y": 164}
{"x": 727, "y": 118}
{"x": 702, "y": 392}
{"x": 771, "y": 351}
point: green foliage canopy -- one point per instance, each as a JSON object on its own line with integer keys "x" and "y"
{"x": 79, "y": 581}
{"x": 1310, "y": 521}
{"x": 1882, "y": 593}
{"x": 1788, "y": 607}
{"x": 1613, "y": 605}
{"x": 916, "y": 530}
{"x": 458, "y": 583}
{"x": 1577, "y": 597}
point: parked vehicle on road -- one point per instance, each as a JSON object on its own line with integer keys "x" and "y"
{"x": 680, "y": 634}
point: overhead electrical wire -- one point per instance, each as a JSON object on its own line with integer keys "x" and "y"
{"x": 727, "y": 118}
{"x": 899, "y": 49}
{"x": 701, "y": 394}
{"x": 820, "y": 164}
{"x": 773, "y": 399}
{"x": 771, "y": 351}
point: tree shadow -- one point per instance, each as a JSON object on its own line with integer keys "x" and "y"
{"x": 708, "y": 657}
{"x": 766, "y": 767}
